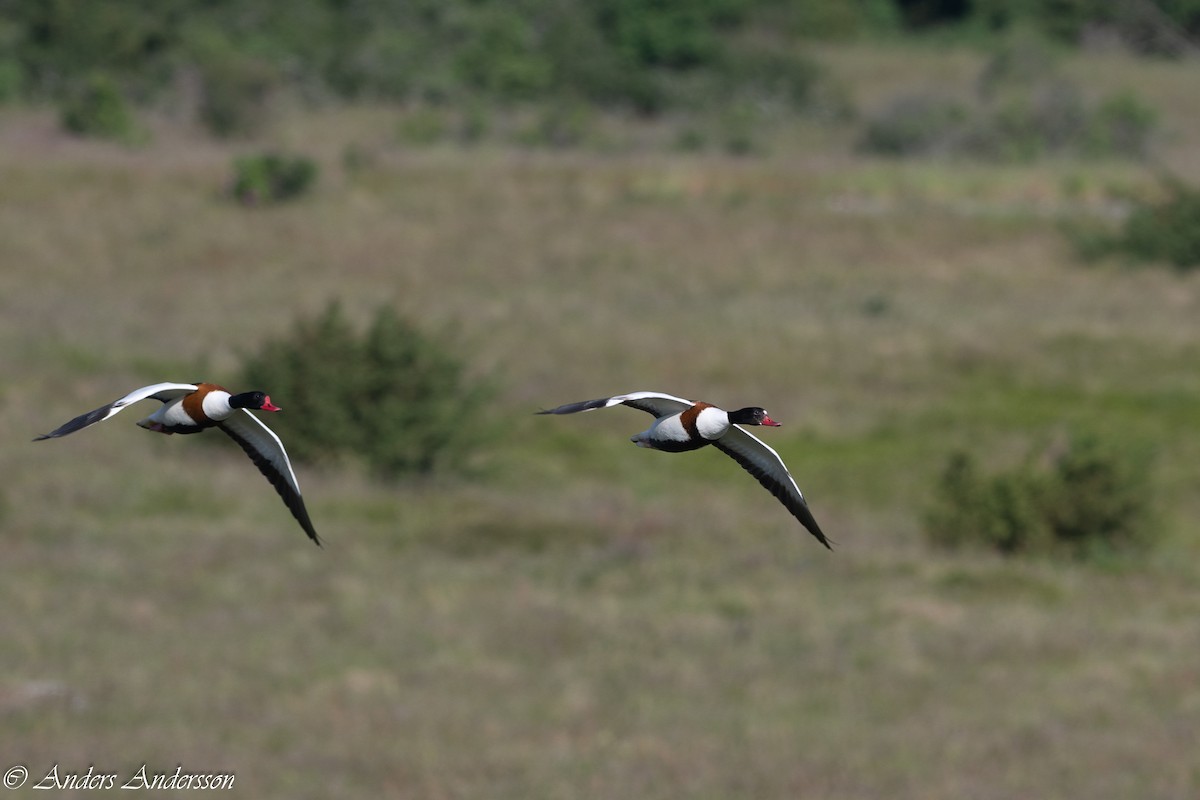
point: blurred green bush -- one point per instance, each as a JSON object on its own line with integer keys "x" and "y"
{"x": 97, "y": 109}
{"x": 1160, "y": 230}
{"x": 271, "y": 178}
{"x": 391, "y": 397}
{"x": 599, "y": 49}
{"x": 1081, "y": 497}
{"x": 233, "y": 61}
{"x": 1167, "y": 230}
{"x": 616, "y": 54}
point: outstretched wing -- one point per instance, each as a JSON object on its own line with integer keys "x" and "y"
{"x": 163, "y": 392}
{"x": 267, "y": 453}
{"x": 656, "y": 403}
{"x": 761, "y": 461}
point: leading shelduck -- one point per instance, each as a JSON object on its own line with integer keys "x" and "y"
{"x": 195, "y": 407}
{"x": 681, "y": 425}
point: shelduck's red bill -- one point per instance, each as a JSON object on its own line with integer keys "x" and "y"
{"x": 269, "y": 406}
{"x": 770, "y": 423}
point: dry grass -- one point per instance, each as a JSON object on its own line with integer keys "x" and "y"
{"x": 580, "y": 618}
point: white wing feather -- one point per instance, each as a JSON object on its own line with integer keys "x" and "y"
{"x": 255, "y": 431}
{"x": 760, "y": 460}
{"x": 656, "y": 403}
{"x": 164, "y": 392}
{"x": 266, "y": 451}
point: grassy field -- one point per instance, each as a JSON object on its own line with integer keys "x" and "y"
{"x": 578, "y": 618}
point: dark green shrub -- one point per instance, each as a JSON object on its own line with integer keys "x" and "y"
{"x": 586, "y": 65}
{"x": 502, "y": 55}
{"x": 234, "y": 60}
{"x": 99, "y": 110}
{"x": 1163, "y": 28}
{"x": 391, "y": 397}
{"x": 271, "y": 178}
{"x": 1165, "y": 230}
{"x": 678, "y": 34}
{"x": 1079, "y": 499}
{"x": 1098, "y": 497}
{"x": 830, "y": 20}
{"x": 1001, "y": 513}
{"x": 59, "y": 45}
{"x": 1168, "y": 230}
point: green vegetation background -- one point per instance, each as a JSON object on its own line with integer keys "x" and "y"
{"x": 566, "y": 616}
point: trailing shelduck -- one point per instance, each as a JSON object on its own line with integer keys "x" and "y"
{"x": 194, "y": 407}
{"x": 681, "y": 425}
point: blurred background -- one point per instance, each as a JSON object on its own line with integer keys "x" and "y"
{"x": 951, "y": 246}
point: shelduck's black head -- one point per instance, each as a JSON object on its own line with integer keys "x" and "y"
{"x": 752, "y": 416}
{"x": 258, "y": 401}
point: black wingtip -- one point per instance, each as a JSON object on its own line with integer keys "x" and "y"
{"x": 574, "y": 408}
{"x": 300, "y": 513}
{"x": 78, "y": 423}
{"x": 817, "y": 533}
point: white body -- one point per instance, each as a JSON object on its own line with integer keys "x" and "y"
{"x": 216, "y": 407}
{"x": 712, "y": 423}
